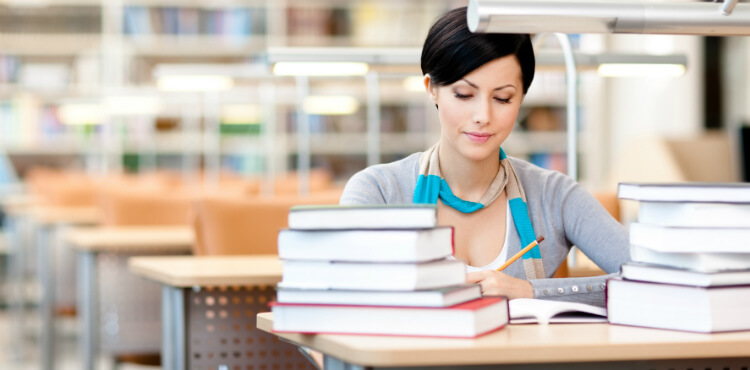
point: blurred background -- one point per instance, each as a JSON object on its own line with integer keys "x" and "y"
{"x": 239, "y": 97}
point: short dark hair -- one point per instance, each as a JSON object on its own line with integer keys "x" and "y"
{"x": 451, "y": 51}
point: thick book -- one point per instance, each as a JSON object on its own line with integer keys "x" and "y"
{"x": 331, "y": 217}
{"x": 540, "y": 311}
{"x": 372, "y": 276}
{"x": 465, "y": 320}
{"x": 392, "y": 245}
{"x": 440, "y": 297}
{"x": 715, "y": 192}
{"x": 672, "y": 275}
{"x": 694, "y": 214}
{"x": 701, "y": 262}
{"x": 690, "y": 239}
{"x": 678, "y": 307}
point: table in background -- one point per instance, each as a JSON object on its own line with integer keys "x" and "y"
{"x": 209, "y": 305}
{"x": 46, "y": 222}
{"x": 557, "y": 346}
{"x": 112, "y": 246}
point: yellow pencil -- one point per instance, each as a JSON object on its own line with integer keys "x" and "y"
{"x": 521, "y": 253}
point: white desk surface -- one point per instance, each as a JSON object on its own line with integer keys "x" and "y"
{"x": 110, "y": 239}
{"x": 47, "y": 215}
{"x": 518, "y": 344}
{"x": 187, "y": 271}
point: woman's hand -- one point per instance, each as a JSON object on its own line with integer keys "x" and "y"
{"x": 497, "y": 283}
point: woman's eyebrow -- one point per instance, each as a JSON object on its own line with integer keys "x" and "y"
{"x": 477, "y": 87}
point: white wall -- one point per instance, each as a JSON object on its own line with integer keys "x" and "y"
{"x": 655, "y": 106}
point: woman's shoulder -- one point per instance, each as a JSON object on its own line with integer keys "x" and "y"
{"x": 392, "y": 182}
{"x": 535, "y": 179}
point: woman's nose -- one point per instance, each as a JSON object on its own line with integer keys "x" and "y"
{"x": 482, "y": 113}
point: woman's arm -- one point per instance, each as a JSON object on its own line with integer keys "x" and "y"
{"x": 595, "y": 232}
{"x": 362, "y": 188}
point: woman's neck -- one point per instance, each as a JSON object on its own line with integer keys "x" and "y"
{"x": 468, "y": 179}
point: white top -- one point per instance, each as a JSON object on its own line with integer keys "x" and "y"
{"x": 503, "y": 256}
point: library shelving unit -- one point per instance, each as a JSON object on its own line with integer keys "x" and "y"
{"x": 88, "y": 50}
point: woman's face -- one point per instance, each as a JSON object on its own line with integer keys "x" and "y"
{"x": 478, "y": 112}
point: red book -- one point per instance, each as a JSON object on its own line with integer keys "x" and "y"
{"x": 465, "y": 320}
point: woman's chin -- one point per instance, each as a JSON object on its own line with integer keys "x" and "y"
{"x": 480, "y": 154}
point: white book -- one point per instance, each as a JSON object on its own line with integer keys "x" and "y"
{"x": 441, "y": 297}
{"x": 465, "y": 320}
{"x": 407, "y": 216}
{"x": 694, "y": 214}
{"x": 672, "y": 275}
{"x": 372, "y": 276}
{"x": 532, "y": 311}
{"x": 678, "y": 307}
{"x": 733, "y": 192}
{"x": 690, "y": 239}
{"x": 702, "y": 262}
{"x": 394, "y": 245}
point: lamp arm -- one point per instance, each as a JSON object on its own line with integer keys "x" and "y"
{"x": 571, "y": 74}
{"x": 728, "y": 6}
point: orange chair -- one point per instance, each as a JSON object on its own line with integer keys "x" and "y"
{"x": 231, "y": 225}
{"x": 130, "y": 301}
{"x": 145, "y": 207}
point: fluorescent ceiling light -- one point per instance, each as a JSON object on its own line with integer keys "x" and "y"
{"x": 636, "y": 70}
{"x": 132, "y": 105}
{"x": 600, "y": 16}
{"x": 330, "y": 105}
{"x": 320, "y": 69}
{"x": 80, "y": 113}
{"x": 236, "y": 70}
{"x": 414, "y": 83}
{"x": 640, "y": 64}
{"x": 240, "y": 114}
{"x": 195, "y": 83}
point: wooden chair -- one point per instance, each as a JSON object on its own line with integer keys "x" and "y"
{"x": 129, "y": 303}
{"x": 230, "y": 225}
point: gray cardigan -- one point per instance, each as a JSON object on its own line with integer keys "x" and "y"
{"x": 559, "y": 207}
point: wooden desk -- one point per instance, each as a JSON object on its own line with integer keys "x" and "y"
{"x": 116, "y": 244}
{"x": 560, "y": 346}
{"x": 48, "y": 215}
{"x": 208, "y": 312}
{"x": 45, "y": 222}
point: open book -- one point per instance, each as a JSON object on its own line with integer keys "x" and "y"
{"x": 530, "y": 311}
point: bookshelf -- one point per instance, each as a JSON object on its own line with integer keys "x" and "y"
{"x": 153, "y": 32}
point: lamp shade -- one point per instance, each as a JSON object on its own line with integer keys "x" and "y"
{"x": 537, "y": 16}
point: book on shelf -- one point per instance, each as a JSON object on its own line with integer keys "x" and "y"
{"x": 732, "y": 192}
{"x": 532, "y": 311}
{"x": 393, "y": 245}
{"x": 465, "y": 320}
{"x": 690, "y": 239}
{"x": 671, "y": 275}
{"x": 407, "y": 216}
{"x": 439, "y": 297}
{"x": 372, "y": 276}
{"x": 678, "y": 307}
{"x": 691, "y": 214}
{"x": 702, "y": 262}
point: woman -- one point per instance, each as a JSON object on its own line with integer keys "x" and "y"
{"x": 497, "y": 204}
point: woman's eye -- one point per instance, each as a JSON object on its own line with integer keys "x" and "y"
{"x": 506, "y": 101}
{"x": 462, "y": 96}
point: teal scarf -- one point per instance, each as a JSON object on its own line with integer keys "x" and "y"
{"x": 431, "y": 186}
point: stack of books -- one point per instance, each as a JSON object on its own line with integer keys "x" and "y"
{"x": 377, "y": 270}
{"x": 691, "y": 259}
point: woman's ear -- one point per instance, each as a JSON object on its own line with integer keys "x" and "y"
{"x": 430, "y": 88}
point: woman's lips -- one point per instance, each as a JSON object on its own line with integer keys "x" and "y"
{"x": 478, "y": 137}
